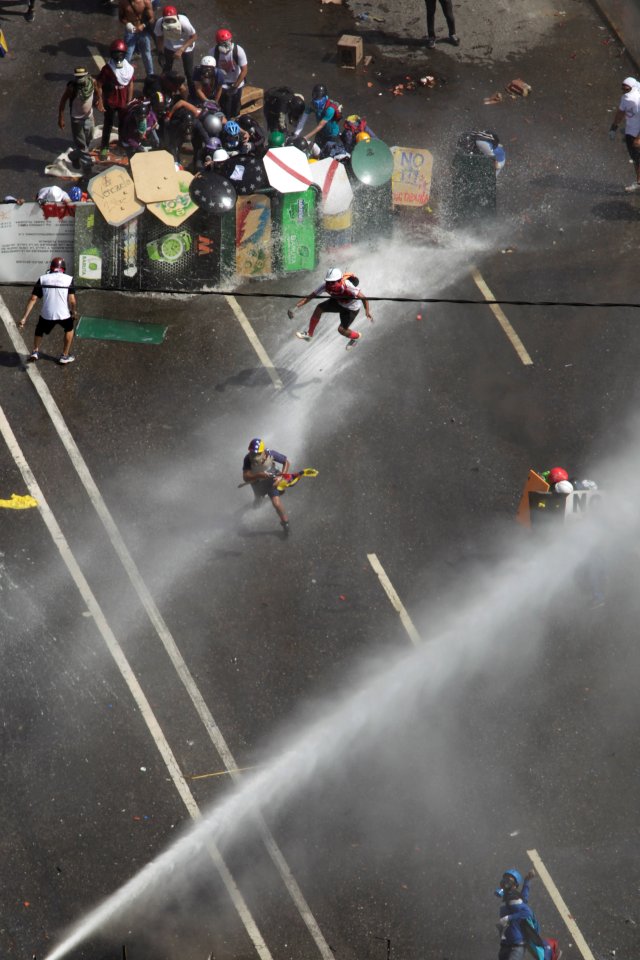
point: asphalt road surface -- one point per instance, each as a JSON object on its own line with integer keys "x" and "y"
{"x": 158, "y": 632}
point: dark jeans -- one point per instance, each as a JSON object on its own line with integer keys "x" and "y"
{"x": 512, "y": 952}
{"x": 230, "y": 102}
{"x": 447, "y": 9}
{"x": 187, "y": 67}
{"x": 109, "y": 114}
{"x": 82, "y": 133}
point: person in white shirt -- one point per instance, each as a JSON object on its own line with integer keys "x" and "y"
{"x": 231, "y": 61}
{"x": 344, "y": 297}
{"x": 59, "y": 306}
{"x": 629, "y": 111}
{"x": 176, "y": 39}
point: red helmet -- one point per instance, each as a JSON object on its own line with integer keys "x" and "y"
{"x": 556, "y": 474}
{"x": 224, "y": 36}
{"x": 118, "y": 46}
{"x": 169, "y": 12}
{"x": 57, "y": 265}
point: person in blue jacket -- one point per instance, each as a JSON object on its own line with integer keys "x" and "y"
{"x": 514, "y": 911}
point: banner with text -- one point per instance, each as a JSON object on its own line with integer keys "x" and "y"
{"x": 30, "y": 236}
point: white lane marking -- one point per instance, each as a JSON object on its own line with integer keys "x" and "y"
{"x": 97, "y": 57}
{"x": 161, "y": 628}
{"x": 254, "y": 341}
{"x": 499, "y": 314}
{"x": 560, "y": 905}
{"x": 396, "y": 602}
{"x": 129, "y": 678}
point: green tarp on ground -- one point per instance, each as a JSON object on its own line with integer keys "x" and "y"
{"x": 101, "y": 328}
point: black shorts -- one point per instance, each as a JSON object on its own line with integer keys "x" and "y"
{"x": 346, "y": 316}
{"x": 634, "y": 152}
{"x": 45, "y": 327}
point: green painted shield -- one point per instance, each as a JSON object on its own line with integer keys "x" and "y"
{"x": 372, "y": 162}
{"x": 298, "y": 228}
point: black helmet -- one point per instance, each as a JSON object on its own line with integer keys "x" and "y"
{"x": 57, "y": 265}
{"x": 300, "y": 142}
{"x": 142, "y": 108}
{"x": 319, "y": 92}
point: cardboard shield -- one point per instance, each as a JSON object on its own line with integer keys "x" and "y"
{"x": 113, "y": 193}
{"x": 154, "y": 175}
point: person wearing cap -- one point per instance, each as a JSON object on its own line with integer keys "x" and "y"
{"x": 260, "y": 471}
{"x": 231, "y": 61}
{"x": 59, "y": 308}
{"x": 344, "y": 298}
{"x": 80, "y": 94}
{"x": 138, "y": 19}
{"x": 629, "y": 111}
{"x": 176, "y": 39}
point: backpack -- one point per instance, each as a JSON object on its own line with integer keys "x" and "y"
{"x": 354, "y": 125}
{"x": 336, "y": 106}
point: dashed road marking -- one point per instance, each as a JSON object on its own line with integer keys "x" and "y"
{"x": 396, "y": 602}
{"x": 129, "y": 678}
{"x": 164, "y": 634}
{"x": 500, "y": 316}
{"x": 560, "y": 905}
{"x": 97, "y": 57}
{"x": 254, "y": 341}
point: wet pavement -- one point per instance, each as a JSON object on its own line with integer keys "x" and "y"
{"x": 423, "y": 435}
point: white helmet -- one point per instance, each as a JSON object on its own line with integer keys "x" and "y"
{"x": 335, "y": 273}
{"x": 220, "y": 155}
{"x": 563, "y": 487}
{"x": 208, "y": 61}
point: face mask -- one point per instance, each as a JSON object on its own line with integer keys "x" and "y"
{"x": 142, "y": 126}
{"x": 85, "y": 87}
{"x": 319, "y": 104}
{"x": 226, "y": 47}
{"x": 118, "y": 58}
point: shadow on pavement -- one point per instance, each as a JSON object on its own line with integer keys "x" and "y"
{"x": 616, "y": 210}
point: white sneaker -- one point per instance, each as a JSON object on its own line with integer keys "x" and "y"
{"x": 66, "y": 359}
{"x": 632, "y": 188}
{"x": 303, "y": 335}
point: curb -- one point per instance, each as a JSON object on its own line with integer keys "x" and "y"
{"x": 623, "y": 16}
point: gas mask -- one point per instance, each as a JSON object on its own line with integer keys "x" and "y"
{"x": 118, "y": 57}
{"x": 319, "y": 105}
{"x": 225, "y": 47}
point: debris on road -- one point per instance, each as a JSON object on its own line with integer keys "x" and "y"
{"x": 496, "y": 98}
{"x": 519, "y": 87}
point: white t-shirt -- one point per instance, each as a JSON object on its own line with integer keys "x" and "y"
{"x": 54, "y": 288}
{"x": 53, "y": 195}
{"x": 348, "y": 298}
{"x": 174, "y": 43}
{"x": 630, "y": 106}
{"x": 228, "y": 65}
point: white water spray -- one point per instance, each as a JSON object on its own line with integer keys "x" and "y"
{"x": 462, "y": 645}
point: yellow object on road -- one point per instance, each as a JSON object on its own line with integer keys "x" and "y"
{"x": 18, "y": 503}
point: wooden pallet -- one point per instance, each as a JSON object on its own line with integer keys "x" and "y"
{"x": 252, "y": 99}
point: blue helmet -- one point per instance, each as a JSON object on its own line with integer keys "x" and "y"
{"x": 75, "y": 194}
{"x": 232, "y": 128}
{"x": 517, "y": 876}
{"x": 256, "y": 446}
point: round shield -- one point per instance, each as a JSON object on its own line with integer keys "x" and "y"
{"x": 372, "y": 162}
{"x": 213, "y": 194}
{"x": 253, "y": 176}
